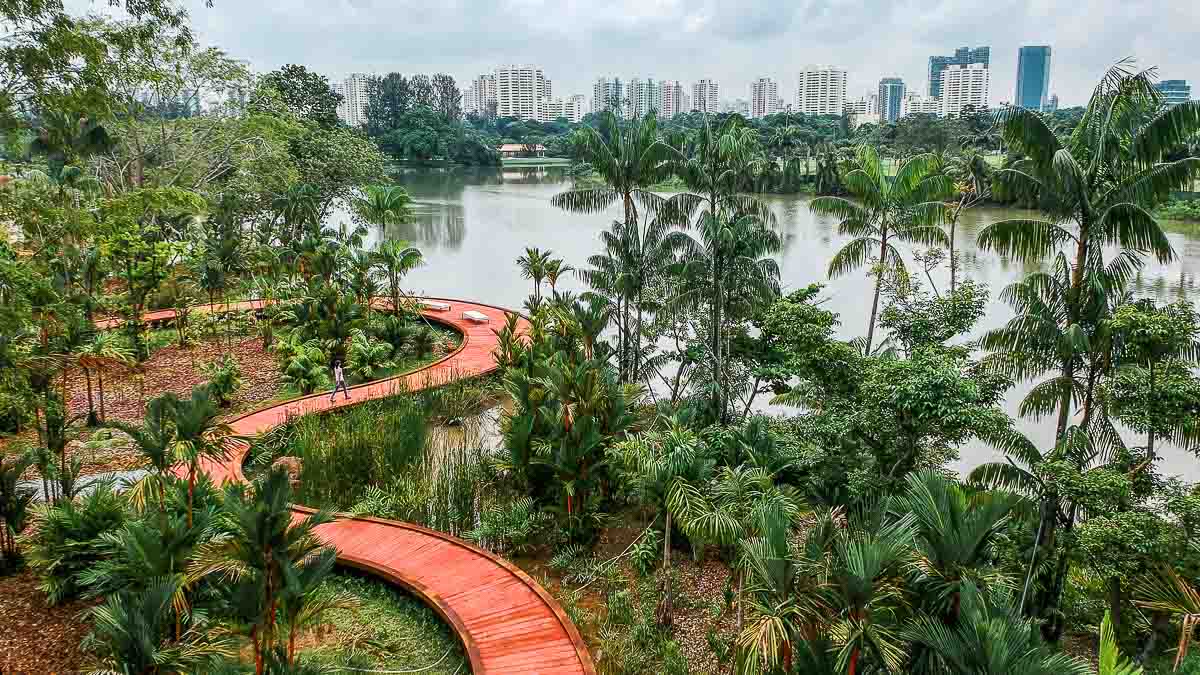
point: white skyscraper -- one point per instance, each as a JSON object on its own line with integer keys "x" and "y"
{"x": 353, "y": 108}
{"x": 674, "y": 99}
{"x": 706, "y": 96}
{"x": 480, "y": 95}
{"x": 609, "y": 93}
{"x": 520, "y": 92}
{"x": 644, "y": 96}
{"x": 964, "y": 85}
{"x": 821, "y": 90}
{"x": 764, "y": 97}
{"x": 573, "y": 108}
{"x": 916, "y": 104}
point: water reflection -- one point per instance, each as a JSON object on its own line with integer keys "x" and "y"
{"x": 472, "y": 225}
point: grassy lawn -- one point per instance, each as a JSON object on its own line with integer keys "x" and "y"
{"x": 389, "y": 630}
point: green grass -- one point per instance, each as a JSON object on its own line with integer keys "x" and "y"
{"x": 389, "y": 630}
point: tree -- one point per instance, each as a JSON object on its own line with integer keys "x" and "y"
{"x": 394, "y": 259}
{"x": 384, "y": 205}
{"x": 724, "y": 268}
{"x": 447, "y": 97}
{"x": 992, "y": 638}
{"x": 14, "y": 508}
{"x": 306, "y": 94}
{"x": 664, "y": 469}
{"x": 104, "y": 354}
{"x": 906, "y": 208}
{"x": 198, "y": 436}
{"x": 264, "y": 550}
{"x": 632, "y": 275}
{"x": 135, "y": 632}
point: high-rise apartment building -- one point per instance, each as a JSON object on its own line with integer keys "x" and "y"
{"x": 520, "y": 92}
{"x": 573, "y": 108}
{"x": 764, "y": 97}
{"x": 609, "y": 94}
{"x": 915, "y": 104}
{"x": 644, "y": 96}
{"x": 963, "y": 56}
{"x": 862, "y": 111}
{"x": 821, "y": 90}
{"x": 1174, "y": 92}
{"x": 963, "y": 86}
{"x": 1033, "y": 77}
{"x": 479, "y": 98}
{"x": 891, "y": 99}
{"x": 674, "y": 99}
{"x": 353, "y": 108}
{"x": 1052, "y": 104}
{"x": 705, "y": 96}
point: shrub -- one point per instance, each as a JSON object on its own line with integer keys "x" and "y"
{"x": 224, "y": 379}
{"x": 306, "y": 370}
{"x": 368, "y": 357}
{"x": 67, "y": 539}
{"x": 515, "y": 527}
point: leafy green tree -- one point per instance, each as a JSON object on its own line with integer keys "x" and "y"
{"x": 306, "y": 94}
{"x": 906, "y": 208}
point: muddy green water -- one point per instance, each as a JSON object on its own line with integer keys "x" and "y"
{"x": 473, "y": 225}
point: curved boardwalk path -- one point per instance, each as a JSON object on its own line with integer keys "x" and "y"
{"x": 507, "y": 622}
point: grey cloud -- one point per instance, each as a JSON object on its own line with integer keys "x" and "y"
{"x": 734, "y": 42}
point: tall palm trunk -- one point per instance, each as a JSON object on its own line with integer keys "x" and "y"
{"x": 878, "y": 286}
{"x": 92, "y": 420}
{"x": 100, "y": 387}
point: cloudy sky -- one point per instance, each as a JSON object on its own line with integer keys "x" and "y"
{"x": 732, "y": 41}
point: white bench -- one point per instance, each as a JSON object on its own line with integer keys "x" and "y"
{"x": 477, "y": 317}
{"x": 435, "y": 306}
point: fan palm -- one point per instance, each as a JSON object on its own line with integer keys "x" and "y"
{"x": 134, "y": 634}
{"x": 907, "y": 208}
{"x": 955, "y": 534}
{"x": 991, "y": 638}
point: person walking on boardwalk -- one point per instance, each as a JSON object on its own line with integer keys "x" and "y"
{"x": 339, "y": 382}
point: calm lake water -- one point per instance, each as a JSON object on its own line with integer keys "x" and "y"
{"x": 471, "y": 227}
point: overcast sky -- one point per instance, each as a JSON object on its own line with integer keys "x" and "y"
{"x": 730, "y": 41}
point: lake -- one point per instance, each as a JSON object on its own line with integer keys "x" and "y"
{"x": 472, "y": 225}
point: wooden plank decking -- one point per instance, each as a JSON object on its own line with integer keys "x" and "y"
{"x": 507, "y": 622}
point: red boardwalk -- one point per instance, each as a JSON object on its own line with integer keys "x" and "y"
{"x": 506, "y": 621}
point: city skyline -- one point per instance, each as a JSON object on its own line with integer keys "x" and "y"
{"x": 689, "y": 39}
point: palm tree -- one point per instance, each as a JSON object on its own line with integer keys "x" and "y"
{"x": 134, "y": 633}
{"x": 907, "y": 208}
{"x": 973, "y": 185}
{"x": 1096, "y": 187}
{"x": 629, "y": 156}
{"x": 714, "y": 163}
{"x": 534, "y": 265}
{"x": 633, "y": 266}
{"x": 725, "y": 268}
{"x": 395, "y": 258}
{"x": 991, "y": 638}
{"x": 299, "y": 207}
{"x": 955, "y": 534}
{"x": 198, "y": 436}
{"x": 665, "y": 468}
{"x": 104, "y": 353}
{"x": 155, "y": 441}
{"x": 264, "y": 550}
{"x": 384, "y": 205}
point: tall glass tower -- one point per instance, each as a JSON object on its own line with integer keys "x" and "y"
{"x": 891, "y": 96}
{"x": 1033, "y": 77}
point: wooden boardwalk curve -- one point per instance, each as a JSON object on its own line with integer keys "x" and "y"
{"x": 506, "y": 621}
